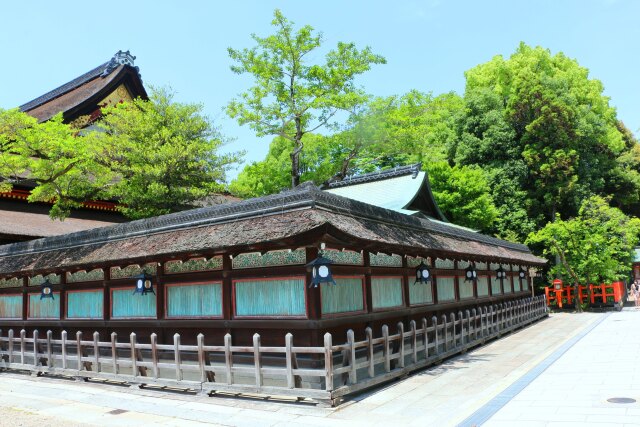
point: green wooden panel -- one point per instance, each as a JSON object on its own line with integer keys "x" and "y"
{"x": 517, "y": 285}
{"x": 446, "y": 288}
{"x": 194, "y": 300}
{"x": 466, "y": 289}
{"x": 507, "y": 286}
{"x": 525, "y": 284}
{"x": 124, "y": 304}
{"x": 420, "y": 293}
{"x": 483, "y": 286}
{"x": 45, "y": 308}
{"x": 85, "y": 305}
{"x": 346, "y": 295}
{"x": 495, "y": 286}
{"x": 284, "y": 297}
{"x": 10, "y": 306}
{"x": 386, "y": 292}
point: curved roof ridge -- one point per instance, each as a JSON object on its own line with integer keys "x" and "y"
{"x": 377, "y": 176}
{"x": 305, "y": 196}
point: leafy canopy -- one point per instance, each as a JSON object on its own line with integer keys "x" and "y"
{"x": 596, "y": 245}
{"x": 292, "y": 96}
{"x": 153, "y": 157}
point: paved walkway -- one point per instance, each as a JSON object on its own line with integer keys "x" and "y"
{"x": 589, "y": 358}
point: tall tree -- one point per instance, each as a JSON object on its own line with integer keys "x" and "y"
{"x": 538, "y": 122}
{"x": 292, "y": 96}
{"x": 153, "y": 157}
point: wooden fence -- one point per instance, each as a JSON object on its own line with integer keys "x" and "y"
{"x": 328, "y": 374}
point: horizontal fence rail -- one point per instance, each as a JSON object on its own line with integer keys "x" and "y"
{"x": 326, "y": 373}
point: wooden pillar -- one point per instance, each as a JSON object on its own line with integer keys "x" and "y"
{"x": 106, "y": 294}
{"x": 312, "y": 297}
{"x": 434, "y": 279}
{"x": 227, "y": 288}
{"x": 63, "y": 295}
{"x": 405, "y": 280}
{"x": 25, "y": 297}
{"x": 161, "y": 293}
{"x": 368, "y": 295}
{"x": 456, "y": 281}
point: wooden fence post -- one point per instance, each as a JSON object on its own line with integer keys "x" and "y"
{"x": 63, "y": 337}
{"x": 257, "y": 360}
{"x": 468, "y": 315}
{"x": 385, "y": 350}
{"x": 328, "y": 362}
{"x": 460, "y": 341}
{"x": 154, "y": 355}
{"x": 96, "y": 352}
{"x": 401, "y": 344}
{"x": 134, "y": 357}
{"x": 23, "y": 334}
{"x": 201, "y": 364}
{"x": 35, "y": 348}
{"x": 414, "y": 341}
{"x": 228, "y": 358}
{"x": 353, "y": 378}
{"x": 453, "y": 329}
{"x": 177, "y": 356}
{"x": 50, "y": 360}
{"x": 288, "y": 344}
{"x": 445, "y": 333}
{"x": 114, "y": 353}
{"x": 436, "y": 343}
{"x": 372, "y": 366}
{"x": 425, "y": 338}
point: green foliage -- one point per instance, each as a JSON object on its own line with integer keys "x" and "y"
{"x": 292, "y": 96}
{"x": 462, "y": 193}
{"x": 164, "y": 155}
{"x": 545, "y": 133}
{"x": 596, "y": 245}
{"x": 154, "y": 157}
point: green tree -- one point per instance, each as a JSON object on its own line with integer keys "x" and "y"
{"x": 595, "y": 245}
{"x": 292, "y": 96}
{"x": 153, "y": 157}
{"x": 462, "y": 193}
{"x": 543, "y": 129}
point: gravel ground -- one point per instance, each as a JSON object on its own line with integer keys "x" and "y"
{"x": 12, "y": 417}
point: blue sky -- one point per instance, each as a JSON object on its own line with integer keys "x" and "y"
{"x": 428, "y": 44}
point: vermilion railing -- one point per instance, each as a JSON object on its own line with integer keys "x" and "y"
{"x": 560, "y": 294}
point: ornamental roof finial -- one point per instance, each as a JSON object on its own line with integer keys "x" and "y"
{"x": 120, "y": 58}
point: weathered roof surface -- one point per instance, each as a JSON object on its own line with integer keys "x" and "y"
{"x": 256, "y": 222}
{"x": 86, "y": 90}
{"x": 39, "y": 225}
{"x": 404, "y": 189}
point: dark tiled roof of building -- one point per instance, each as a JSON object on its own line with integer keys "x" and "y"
{"x": 253, "y": 222}
{"x": 83, "y": 88}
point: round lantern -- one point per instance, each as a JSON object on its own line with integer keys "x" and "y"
{"x": 46, "y": 290}
{"x": 144, "y": 284}
{"x": 423, "y": 274}
{"x": 320, "y": 271}
{"x": 470, "y": 274}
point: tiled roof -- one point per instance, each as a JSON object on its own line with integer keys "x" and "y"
{"x": 257, "y": 221}
{"x": 75, "y": 93}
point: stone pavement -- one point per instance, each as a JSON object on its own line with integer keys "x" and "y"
{"x": 560, "y": 370}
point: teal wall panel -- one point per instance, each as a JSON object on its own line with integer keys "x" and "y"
{"x": 386, "y": 292}
{"x": 194, "y": 300}
{"x": 85, "y": 305}
{"x": 124, "y": 304}
{"x": 343, "y": 297}
{"x": 483, "y": 286}
{"x": 525, "y": 284}
{"x": 10, "y": 306}
{"x": 495, "y": 286}
{"x": 45, "y": 308}
{"x": 420, "y": 293}
{"x": 517, "y": 285}
{"x": 507, "y": 286}
{"x": 446, "y": 288}
{"x": 283, "y": 297}
{"x": 466, "y": 289}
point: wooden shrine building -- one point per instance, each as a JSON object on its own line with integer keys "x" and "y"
{"x": 240, "y": 268}
{"x": 80, "y": 101}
